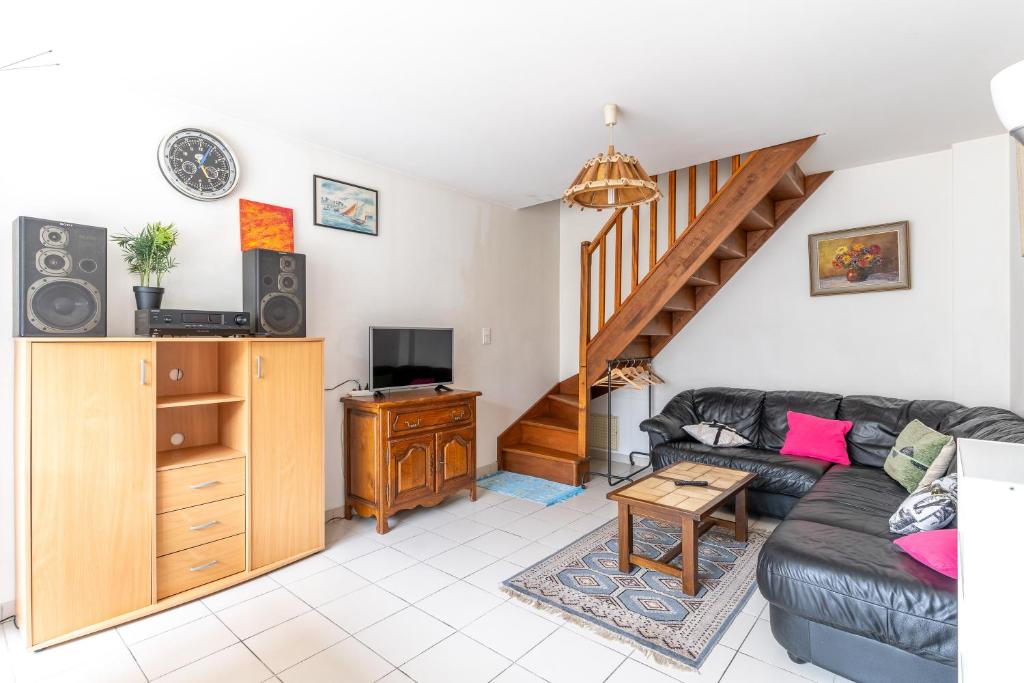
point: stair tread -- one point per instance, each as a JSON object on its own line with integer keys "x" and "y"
{"x": 542, "y": 452}
{"x": 571, "y": 399}
{"x": 551, "y": 422}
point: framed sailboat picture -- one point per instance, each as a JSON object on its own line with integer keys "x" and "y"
{"x": 344, "y": 206}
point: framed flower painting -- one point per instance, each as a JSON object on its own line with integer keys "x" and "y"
{"x": 870, "y": 259}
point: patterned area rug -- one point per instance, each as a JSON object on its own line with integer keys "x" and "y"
{"x": 645, "y": 608}
{"x": 531, "y": 488}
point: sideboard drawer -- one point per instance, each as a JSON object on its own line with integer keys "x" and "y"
{"x": 187, "y": 486}
{"x": 199, "y": 524}
{"x": 404, "y": 421}
{"x": 186, "y": 569}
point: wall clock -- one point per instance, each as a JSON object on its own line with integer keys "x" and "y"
{"x": 198, "y": 164}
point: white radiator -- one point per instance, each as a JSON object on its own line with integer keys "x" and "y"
{"x": 597, "y": 431}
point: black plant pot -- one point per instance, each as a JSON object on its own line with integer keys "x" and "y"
{"x": 148, "y": 297}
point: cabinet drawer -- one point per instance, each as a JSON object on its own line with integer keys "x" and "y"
{"x": 402, "y": 421}
{"x": 186, "y": 569}
{"x": 199, "y": 524}
{"x": 187, "y": 486}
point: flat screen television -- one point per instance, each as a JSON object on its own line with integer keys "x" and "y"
{"x": 405, "y": 357}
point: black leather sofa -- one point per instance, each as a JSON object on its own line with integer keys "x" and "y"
{"x": 841, "y": 594}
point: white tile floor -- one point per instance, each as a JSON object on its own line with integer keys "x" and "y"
{"x": 419, "y": 604}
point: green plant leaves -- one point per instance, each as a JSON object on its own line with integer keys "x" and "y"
{"x": 148, "y": 253}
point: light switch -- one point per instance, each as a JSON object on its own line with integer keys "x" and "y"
{"x": 485, "y": 337}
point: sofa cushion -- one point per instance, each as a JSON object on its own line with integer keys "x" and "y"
{"x": 776, "y": 473}
{"x": 862, "y": 584}
{"x": 856, "y": 498}
{"x": 738, "y": 408}
{"x": 878, "y": 420}
{"x": 774, "y": 425}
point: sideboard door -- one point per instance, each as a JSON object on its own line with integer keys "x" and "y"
{"x": 93, "y": 483}
{"x": 456, "y": 461}
{"x": 286, "y": 458}
{"x": 410, "y": 469}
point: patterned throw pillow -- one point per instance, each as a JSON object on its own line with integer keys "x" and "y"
{"x": 917, "y": 447}
{"x": 933, "y": 508}
{"x": 715, "y": 434}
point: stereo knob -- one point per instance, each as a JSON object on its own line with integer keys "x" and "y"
{"x": 241, "y": 319}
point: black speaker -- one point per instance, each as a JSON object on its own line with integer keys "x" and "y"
{"x": 274, "y": 291}
{"x": 60, "y": 279}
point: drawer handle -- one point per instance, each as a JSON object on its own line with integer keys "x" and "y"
{"x": 413, "y": 425}
{"x": 205, "y": 484}
{"x": 461, "y": 414}
{"x": 201, "y": 567}
{"x": 207, "y": 525}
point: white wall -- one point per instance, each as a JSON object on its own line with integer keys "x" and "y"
{"x": 85, "y": 153}
{"x": 946, "y": 337}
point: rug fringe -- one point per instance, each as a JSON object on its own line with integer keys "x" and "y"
{"x": 658, "y": 657}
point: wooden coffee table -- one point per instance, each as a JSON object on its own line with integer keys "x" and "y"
{"x": 657, "y": 496}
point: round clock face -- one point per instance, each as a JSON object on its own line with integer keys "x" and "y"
{"x": 198, "y": 164}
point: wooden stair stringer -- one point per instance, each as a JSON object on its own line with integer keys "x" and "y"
{"x": 755, "y": 240}
{"x": 716, "y": 223}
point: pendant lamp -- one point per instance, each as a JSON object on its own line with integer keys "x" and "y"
{"x": 612, "y": 180}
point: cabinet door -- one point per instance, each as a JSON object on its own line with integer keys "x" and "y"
{"x": 286, "y": 450}
{"x": 456, "y": 461}
{"x": 93, "y": 490}
{"x": 410, "y": 469}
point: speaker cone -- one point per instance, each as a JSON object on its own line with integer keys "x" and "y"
{"x": 287, "y": 282}
{"x": 281, "y": 313}
{"x": 53, "y": 236}
{"x": 63, "y": 305}
{"x": 287, "y": 264}
{"x": 54, "y": 262}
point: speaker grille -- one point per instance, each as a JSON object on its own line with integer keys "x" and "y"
{"x": 281, "y": 313}
{"x": 63, "y": 305}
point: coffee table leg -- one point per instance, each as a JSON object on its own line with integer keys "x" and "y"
{"x": 625, "y": 536}
{"x": 689, "y": 541}
{"x": 741, "y": 515}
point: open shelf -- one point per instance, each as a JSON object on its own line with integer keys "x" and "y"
{"x": 202, "y": 399}
{"x": 195, "y": 455}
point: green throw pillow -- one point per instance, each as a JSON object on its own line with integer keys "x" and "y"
{"x": 917, "y": 448}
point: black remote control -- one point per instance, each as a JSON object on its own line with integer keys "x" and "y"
{"x": 686, "y": 482}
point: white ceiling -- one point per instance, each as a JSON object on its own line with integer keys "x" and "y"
{"x": 504, "y": 100}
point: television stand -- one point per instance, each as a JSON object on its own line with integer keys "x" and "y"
{"x": 442, "y": 389}
{"x": 413, "y": 448}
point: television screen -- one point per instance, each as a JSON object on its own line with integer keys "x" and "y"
{"x": 410, "y": 356}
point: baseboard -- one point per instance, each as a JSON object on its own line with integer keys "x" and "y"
{"x": 484, "y": 470}
{"x": 7, "y": 609}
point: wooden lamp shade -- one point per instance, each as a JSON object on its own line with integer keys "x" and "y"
{"x": 611, "y": 181}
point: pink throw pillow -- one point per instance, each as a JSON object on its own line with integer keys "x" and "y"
{"x": 816, "y": 437}
{"x": 935, "y": 549}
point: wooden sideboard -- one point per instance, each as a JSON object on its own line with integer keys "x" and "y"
{"x": 150, "y": 472}
{"x": 409, "y": 449}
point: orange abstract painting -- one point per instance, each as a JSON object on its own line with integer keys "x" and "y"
{"x": 265, "y": 226}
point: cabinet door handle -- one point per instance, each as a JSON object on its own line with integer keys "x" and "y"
{"x": 201, "y": 567}
{"x": 203, "y": 485}
{"x": 207, "y": 525}
{"x": 413, "y": 425}
{"x": 259, "y": 367}
{"x": 142, "y": 371}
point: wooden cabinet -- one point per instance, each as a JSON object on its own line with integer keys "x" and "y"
{"x": 412, "y": 448}
{"x": 150, "y": 472}
{"x": 287, "y": 451}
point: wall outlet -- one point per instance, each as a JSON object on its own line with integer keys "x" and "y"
{"x": 485, "y": 336}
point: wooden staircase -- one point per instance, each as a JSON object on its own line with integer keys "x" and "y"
{"x": 763, "y": 189}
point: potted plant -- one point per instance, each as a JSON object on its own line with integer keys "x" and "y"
{"x": 148, "y": 254}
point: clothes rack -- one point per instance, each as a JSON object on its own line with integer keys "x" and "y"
{"x": 607, "y": 382}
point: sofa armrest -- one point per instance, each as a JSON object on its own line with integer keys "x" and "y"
{"x": 662, "y": 428}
